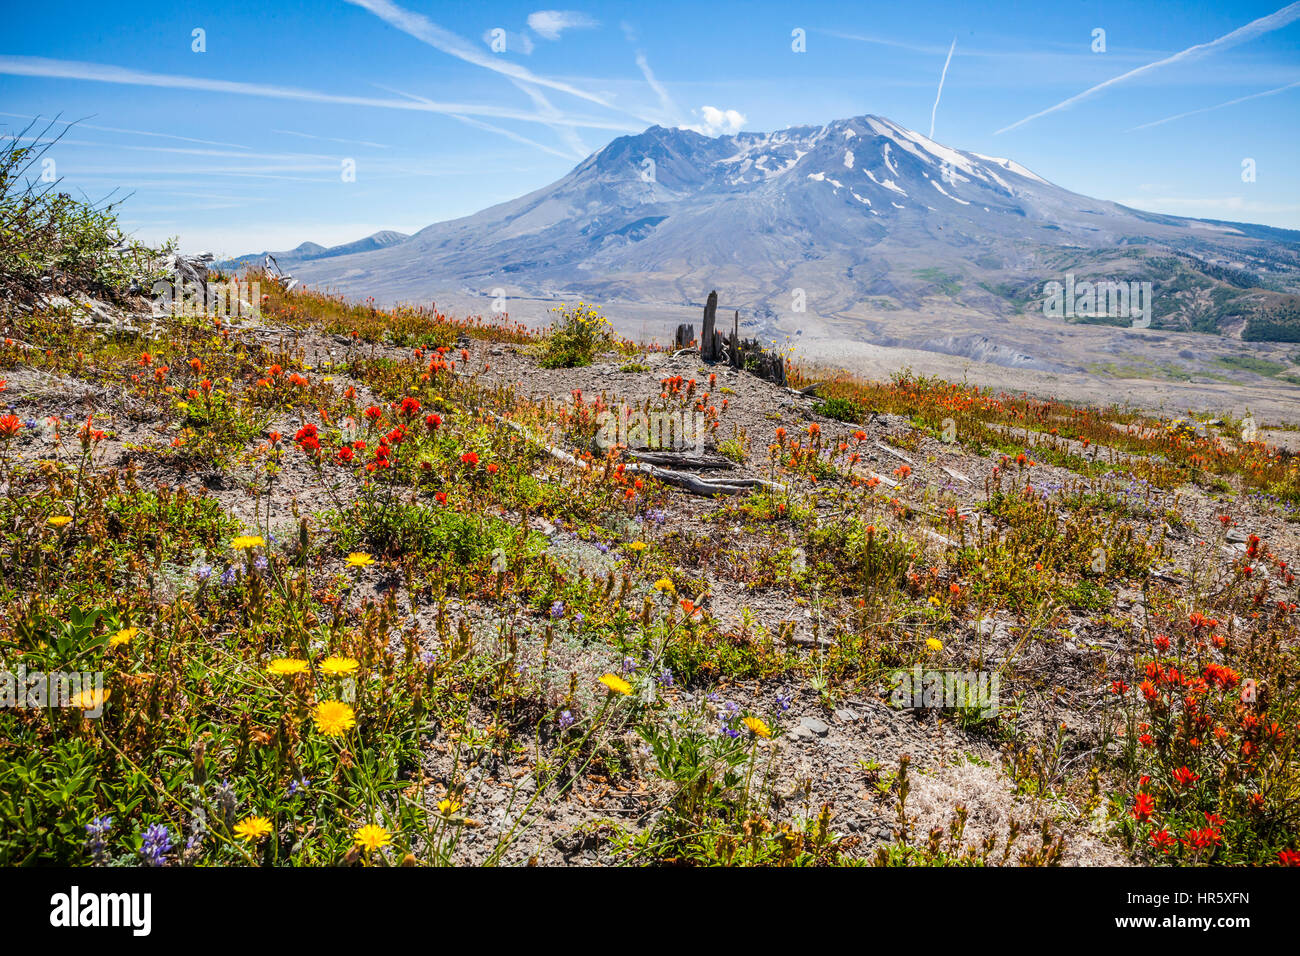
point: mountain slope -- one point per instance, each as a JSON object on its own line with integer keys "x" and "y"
{"x": 308, "y": 251}
{"x": 856, "y": 211}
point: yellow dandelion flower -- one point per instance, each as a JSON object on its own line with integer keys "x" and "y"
{"x": 757, "y": 727}
{"x": 91, "y": 699}
{"x": 372, "y": 836}
{"x": 333, "y": 718}
{"x": 448, "y": 807}
{"x": 123, "y": 636}
{"x": 665, "y": 585}
{"x": 934, "y": 644}
{"x": 359, "y": 559}
{"x": 246, "y": 541}
{"x": 59, "y": 520}
{"x": 616, "y": 684}
{"x": 339, "y": 666}
{"x": 637, "y": 546}
{"x": 284, "y": 666}
{"x": 934, "y": 600}
{"x": 253, "y": 829}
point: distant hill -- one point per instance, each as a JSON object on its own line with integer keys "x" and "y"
{"x": 309, "y": 251}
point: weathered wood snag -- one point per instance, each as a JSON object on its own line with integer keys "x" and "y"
{"x": 708, "y": 336}
{"x": 739, "y": 353}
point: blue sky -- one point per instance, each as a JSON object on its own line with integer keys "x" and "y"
{"x": 242, "y": 147}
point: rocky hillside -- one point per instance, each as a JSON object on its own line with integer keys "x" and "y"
{"x": 374, "y": 587}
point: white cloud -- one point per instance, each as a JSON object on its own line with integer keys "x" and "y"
{"x": 551, "y": 23}
{"x": 515, "y": 42}
{"x": 665, "y": 100}
{"x": 40, "y": 123}
{"x": 331, "y": 139}
{"x": 426, "y": 31}
{"x": 1210, "y": 207}
{"x": 107, "y": 73}
{"x": 716, "y": 122}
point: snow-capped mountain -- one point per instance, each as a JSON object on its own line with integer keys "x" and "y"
{"x": 858, "y": 210}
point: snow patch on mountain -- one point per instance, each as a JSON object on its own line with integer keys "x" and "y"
{"x": 823, "y": 178}
{"x": 887, "y": 184}
{"x": 1014, "y": 167}
{"x": 889, "y": 162}
{"x": 964, "y": 202}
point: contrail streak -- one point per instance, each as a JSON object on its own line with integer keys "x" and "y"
{"x": 1219, "y": 106}
{"x": 1274, "y": 21}
{"x": 941, "y": 79}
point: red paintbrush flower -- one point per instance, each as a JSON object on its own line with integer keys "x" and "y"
{"x": 1143, "y": 806}
{"x": 1186, "y": 777}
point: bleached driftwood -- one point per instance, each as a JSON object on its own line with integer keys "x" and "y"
{"x": 678, "y": 479}
{"x": 890, "y": 451}
{"x": 687, "y": 460}
{"x": 272, "y": 269}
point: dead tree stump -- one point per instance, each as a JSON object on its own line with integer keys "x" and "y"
{"x": 739, "y": 353}
{"x": 708, "y": 343}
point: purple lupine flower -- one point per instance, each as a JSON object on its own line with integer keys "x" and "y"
{"x": 557, "y": 610}
{"x": 783, "y": 701}
{"x": 204, "y": 572}
{"x": 665, "y": 678}
{"x": 156, "y": 845}
{"x": 295, "y": 786}
{"x": 566, "y": 720}
{"x": 629, "y": 665}
{"x": 96, "y": 830}
{"x": 729, "y": 732}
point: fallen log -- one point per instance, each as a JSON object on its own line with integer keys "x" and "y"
{"x": 670, "y": 459}
{"x": 678, "y": 479}
{"x": 890, "y": 451}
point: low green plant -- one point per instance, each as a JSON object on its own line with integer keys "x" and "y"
{"x": 578, "y": 333}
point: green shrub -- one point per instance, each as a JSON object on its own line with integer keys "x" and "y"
{"x": 53, "y": 243}
{"x": 840, "y": 409}
{"x": 575, "y": 338}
